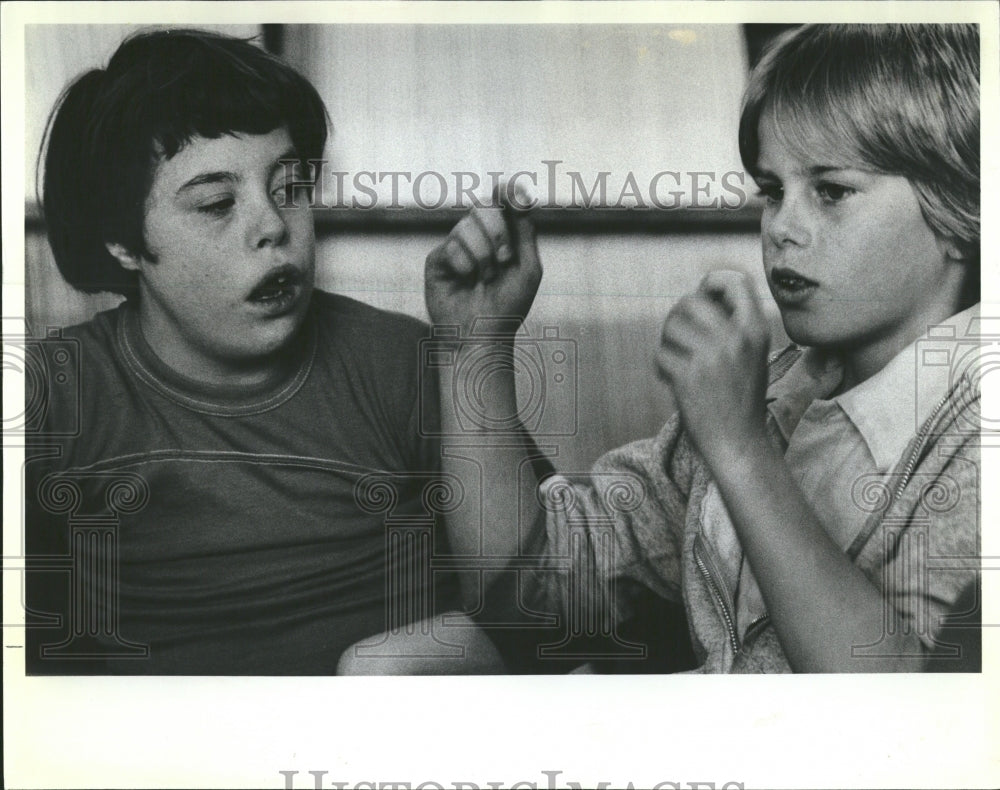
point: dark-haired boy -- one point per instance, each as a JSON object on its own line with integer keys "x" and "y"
{"x": 210, "y": 514}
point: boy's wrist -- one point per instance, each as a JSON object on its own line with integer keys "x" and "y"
{"x": 736, "y": 456}
{"x": 484, "y": 372}
{"x": 496, "y": 328}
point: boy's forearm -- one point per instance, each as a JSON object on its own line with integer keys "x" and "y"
{"x": 822, "y": 605}
{"x": 498, "y": 465}
{"x": 487, "y": 270}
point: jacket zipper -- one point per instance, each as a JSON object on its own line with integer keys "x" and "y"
{"x": 786, "y": 357}
{"x": 778, "y": 363}
{"x": 714, "y": 586}
{"x": 911, "y": 462}
{"x": 754, "y": 626}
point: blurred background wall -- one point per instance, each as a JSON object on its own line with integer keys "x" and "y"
{"x": 618, "y": 100}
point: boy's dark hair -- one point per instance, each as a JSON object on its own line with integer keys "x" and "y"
{"x": 896, "y": 99}
{"x": 111, "y": 127}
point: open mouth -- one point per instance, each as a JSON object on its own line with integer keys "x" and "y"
{"x": 278, "y": 291}
{"x": 790, "y": 280}
{"x": 789, "y": 287}
{"x": 279, "y": 285}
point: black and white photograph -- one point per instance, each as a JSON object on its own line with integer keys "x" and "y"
{"x": 460, "y": 394}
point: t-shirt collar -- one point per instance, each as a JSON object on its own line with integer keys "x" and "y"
{"x": 290, "y": 373}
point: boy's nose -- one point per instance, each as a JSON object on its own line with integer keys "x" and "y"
{"x": 787, "y": 223}
{"x": 269, "y": 227}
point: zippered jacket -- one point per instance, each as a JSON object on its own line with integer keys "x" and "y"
{"x": 642, "y": 517}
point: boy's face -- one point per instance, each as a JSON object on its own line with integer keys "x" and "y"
{"x": 848, "y": 256}
{"x": 234, "y": 272}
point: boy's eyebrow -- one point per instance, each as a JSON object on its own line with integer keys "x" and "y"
{"x": 208, "y": 178}
{"x": 820, "y": 170}
{"x": 815, "y": 170}
{"x": 224, "y": 175}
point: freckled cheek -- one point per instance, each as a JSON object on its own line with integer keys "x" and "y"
{"x": 890, "y": 242}
{"x": 211, "y": 278}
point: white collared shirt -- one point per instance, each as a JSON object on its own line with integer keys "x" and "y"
{"x": 833, "y": 443}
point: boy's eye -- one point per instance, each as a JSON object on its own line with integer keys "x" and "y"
{"x": 292, "y": 194}
{"x": 217, "y": 208}
{"x": 834, "y": 193}
{"x": 287, "y": 194}
{"x": 772, "y": 193}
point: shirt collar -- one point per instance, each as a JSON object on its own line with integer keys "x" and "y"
{"x": 889, "y": 408}
{"x": 813, "y": 376}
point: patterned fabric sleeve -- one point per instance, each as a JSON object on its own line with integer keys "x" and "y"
{"x": 933, "y": 554}
{"x": 615, "y": 529}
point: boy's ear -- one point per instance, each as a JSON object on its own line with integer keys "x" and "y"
{"x": 123, "y": 256}
{"x": 950, "y": 248}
